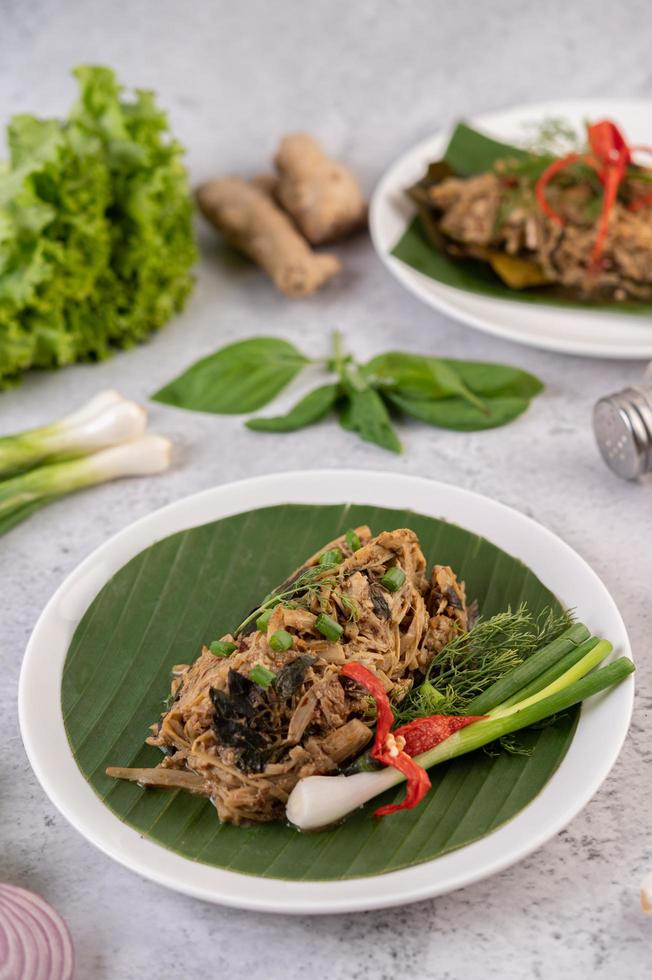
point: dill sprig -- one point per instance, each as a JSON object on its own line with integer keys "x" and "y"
{"x": 299, "y": 591}
{"x": 553, "y": 135}
{"x": 473, "y": 661}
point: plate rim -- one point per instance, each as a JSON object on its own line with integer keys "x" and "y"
{"x": 420, "y": 285}
{"x": 126, "y": 846}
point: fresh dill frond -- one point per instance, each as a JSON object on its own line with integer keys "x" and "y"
{"x": 349, "y": 605}
{"x": 553, "y": 135}
{"x": 475, "y": 660}
{"x": 512, "y": 745}
{"x": 298, "y": 591}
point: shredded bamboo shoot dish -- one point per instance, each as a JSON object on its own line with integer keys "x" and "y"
{"x": 270, "y": 706}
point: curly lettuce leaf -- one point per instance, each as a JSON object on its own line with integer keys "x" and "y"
{"x": 96, "y": 242}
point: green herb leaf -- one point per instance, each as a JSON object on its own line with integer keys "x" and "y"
{"x": 419, "y": 377}
{"x": 473, "y": 661}
{"x": 241, "y": 377}
{"x": 365, "y": 413}
{"x": 506, "y": 393}
{"x": 453, "y": 413}
{"x": 493, "y": 380}
{"x": 312, "y": 408}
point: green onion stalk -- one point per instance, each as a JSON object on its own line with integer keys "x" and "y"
{"x": 103, "y": 440}
{"x": 557, "y": 677}
{"x": 23, "y": 494}
{"x": 106, "y": 420}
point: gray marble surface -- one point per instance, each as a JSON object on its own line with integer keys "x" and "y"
{"x": 369, "y": 78}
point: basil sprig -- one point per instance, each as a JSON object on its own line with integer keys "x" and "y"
{"x": 367, "y": 398}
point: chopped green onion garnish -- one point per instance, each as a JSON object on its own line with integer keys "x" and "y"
{"x": 352, "y": 540}
{"x": 222, "y": 648}
{"x": 261, "y": 675}
{"x": 263, "y": 620}
{"x": 281, "y": 640}
{"x": 393, "y": 579}
{"x": 331, "y": 557}
{"x": 328, "y": 627}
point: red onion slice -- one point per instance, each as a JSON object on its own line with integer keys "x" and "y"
{"x": 34, "y": 940}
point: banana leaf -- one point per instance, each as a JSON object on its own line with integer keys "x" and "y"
{"x": 193, "y": 586}
{"x": 469, "y": 153}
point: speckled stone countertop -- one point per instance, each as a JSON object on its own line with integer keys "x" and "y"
{"x": 370, "y": 79}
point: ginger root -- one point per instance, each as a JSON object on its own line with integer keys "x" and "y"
{"x": 250, "y": 220}
{"x": 322, "y": 195}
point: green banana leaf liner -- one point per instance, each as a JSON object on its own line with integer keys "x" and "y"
{"x": 193, "y": 586}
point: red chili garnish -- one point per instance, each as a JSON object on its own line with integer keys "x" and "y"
{"x": 397, "y": 748}
{"x": 384, "y": 714}
{"x": 424, "y": 733}
{"x": 610, "y": 157}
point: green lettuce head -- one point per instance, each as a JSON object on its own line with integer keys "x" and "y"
{"x": 96, "y": 241}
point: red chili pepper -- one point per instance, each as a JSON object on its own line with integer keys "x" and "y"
{"x": 384, "y": 714}
{"x": 397, "y": 748}
{"x": 610, "y": 157}
{"x": 424, "y": 733}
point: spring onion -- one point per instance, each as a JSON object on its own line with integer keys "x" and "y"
{"x": 106, "y": 420}
{"x": 352, "y": 540}
{"x": 393, "y": 579}
{"x": 260, "y": 675}
{"x": 222, "y": 648}
{"x": 21, "y": 495}
{"x": 552, "y": 673}
{"x": 591, "y": 659}
{"x": 570, "y": 668}
{"x": 512, "y": 682}
{"x": 281, "y": 640}
{"x": 263, "y": 620}
{"x": 321, "y": 800}
{"x": 331, "y": 557}
{"x": 328, "y": 627}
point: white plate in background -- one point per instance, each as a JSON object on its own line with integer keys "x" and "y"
{"x": 564, "y": 329}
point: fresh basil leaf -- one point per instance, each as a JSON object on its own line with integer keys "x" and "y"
{"x": 241, "y": 377}
{"x": 487, "y": 379}
{"x": 309, "y": 410}
{"x": 414, "y": 376}
{"x": 455, "y": 413}
{"x": 365, "y": 412}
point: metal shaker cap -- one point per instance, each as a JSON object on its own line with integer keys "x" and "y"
{"x": 622, "y": 423}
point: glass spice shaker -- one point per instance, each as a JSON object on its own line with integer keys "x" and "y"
{"x": 622, "y": 423}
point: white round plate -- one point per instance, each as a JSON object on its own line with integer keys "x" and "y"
{"x": 563, "y": 329}
{"x": 600, "y": 733}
